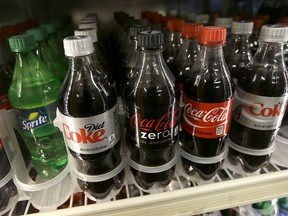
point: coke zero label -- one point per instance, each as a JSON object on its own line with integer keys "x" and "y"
{"x": 206, "y": 120}
{"x": 153, "y": 127}
{"x": 91, "y": 135}
{"x": 259, "y": 112}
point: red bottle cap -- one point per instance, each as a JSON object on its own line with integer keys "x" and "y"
{"x": 156, "y": 18}
{"x": 258, "y": 23}
{"x": 2, "y": 35}
{"x": 175, "y": 25}
{"x": 283, "y": 19}
{"x": 191, "y": 30}
{"x": 264, "y": 17}
{"x": 9, "y": 30}
{"x": 167, "y": 18}
{"x": 212, "y": 35}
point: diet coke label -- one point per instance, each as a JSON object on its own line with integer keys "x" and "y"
{"x": 206, "y": 120}
{"x": 258, "y": 112}
{"x": 157, "y": 127}
{"x": 92, "y": 134}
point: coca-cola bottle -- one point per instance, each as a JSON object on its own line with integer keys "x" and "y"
{"x": 151, "y": 102}
{"x": 254, "y": 44}
{"x": 188, "y": 52}
{"x": 239, "y": 54}
{"x": 208, "y": 90}
{"x": 260, "y": 100}
{"x": 88, "y": 112}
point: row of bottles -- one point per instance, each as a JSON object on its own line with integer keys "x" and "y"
{"x": 179, "y": 103}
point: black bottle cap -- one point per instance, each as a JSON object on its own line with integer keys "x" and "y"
{"x": 136, "y": 28}
{"x": 151, "y": 39}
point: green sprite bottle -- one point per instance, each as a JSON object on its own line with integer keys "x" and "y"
{"x": 47, "y": 54}
{"x": 33, "y": 94}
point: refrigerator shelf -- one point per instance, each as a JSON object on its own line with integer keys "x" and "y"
{"x": 182, "y": 197}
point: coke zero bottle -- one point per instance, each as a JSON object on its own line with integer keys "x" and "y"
{"x": 260, "y": 101}
{"x": 151, "y": 102}
{"x": 90, "y": 122}
{"x": 207, "y": 90}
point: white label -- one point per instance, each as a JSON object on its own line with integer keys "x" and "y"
{"x": 92, "y": 134}
{"x": 258, "y": 112}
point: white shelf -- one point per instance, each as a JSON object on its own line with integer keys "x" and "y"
{"x": 227, "y": 190}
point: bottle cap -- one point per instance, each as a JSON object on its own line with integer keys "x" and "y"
{"x": 175, "y": 24}
{"x": 273, "y": 33}
{"x": 212, "y": 35}
{"x": 136, "y": 28}
{"x": 39, "y": 34}
{"x": 9, "y": 30}
{"x": 242, "y": 27}
{"x": 88, "y": 25}
{"x": 224, "y": 21}
{"x": 2, "y": 35}
{"x": 78, "y": 45}
{"x": 157, "y": 18}
{"x": 89, "y": 32}
{"x": 191, "y": 30}
{"x": 50, "y": 29}
{"x": 257, "y": 23}
{"x": 22, "y": 43}
{"x": 150, "y": 39}
{"x": 202, "y": 18}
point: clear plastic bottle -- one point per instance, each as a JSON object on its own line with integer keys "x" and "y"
{"x": 260, "y": 100}
{"x": 151, "y": 103}
{"x": 90, "y": 122}
{"x": 47, "y": 54}
{"x": 208, "y": 94}
{"x": 33, "y": 94}
{"x": 238, "y": 53}
{"x": 254, "y": 44}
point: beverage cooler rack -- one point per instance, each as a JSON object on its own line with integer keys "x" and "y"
{"x": 182, "y": 197}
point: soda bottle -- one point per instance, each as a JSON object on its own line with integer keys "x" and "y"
{"x": 283, "y": 206}
{"x": 132, "y": 57}
{"x": 97, "y": 56}
{"x": 202, "y": 18}
{"x": 207, "y": 97}
{"x": 151, "y": 105}
{"x": 239, "y": 54}
{"x": 260, "y": 101}
{"x": 187, "y": 54}
{"x": 90, "y": 121}
{"x": 33, "y": 94}
{"x": 47, "y": 54}
{"x": 265, "y": 208}
{"x": 254, "y": 44}
{"x": 172, "y": 40}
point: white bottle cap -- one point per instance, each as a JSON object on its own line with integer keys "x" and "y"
{"x": 242, "y": 27}
{"x": 202, "y": 18}
{"x": 224, "y": 21}
{"x": 78, "y": 45}
{"x": 88, "y": 24}
{"x": 89, "y": 32}
{"x": 274, "y": 33}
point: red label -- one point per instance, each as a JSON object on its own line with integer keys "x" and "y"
{"x": 4, "y": 102}
{"x": 206, "y": 120}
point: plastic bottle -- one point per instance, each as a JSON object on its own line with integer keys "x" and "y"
{"x": 239, "y": 54}
{"x": 172, "y": 40}
{"x": 254, "y": 44}
{"x": 33, "y": 94}
{"x": 282, "y": 204}
{"x": 97, "y": 56}
{"x": 187, "y": 54}
{"x": 260, "y": 100}
{"x": 47, "y": 54}
{"x": 88, "y": 113}
{"x": 133, "y": 54}
{"x": 202, "y": 18}
{"x": 265, "y": 208}
{"x": 208, "y": 90}
{"x": 151, "y": 103}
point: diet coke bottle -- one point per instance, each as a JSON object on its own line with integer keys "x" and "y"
{"x": 208, "y": 90}
{"x": 89, "y": 120}
{"x": 260, "y": 101}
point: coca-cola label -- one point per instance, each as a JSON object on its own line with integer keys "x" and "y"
{"x": 258, "y": 112}
{"x": 153, "y": 126}
{"x": 206, "y": 120}
{"x": 93, "y": 134}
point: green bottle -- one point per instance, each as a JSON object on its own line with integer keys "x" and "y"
{"x": 265, "y": 208}
{"x": 47, "y": 54}
{"x": 33, "y": 94}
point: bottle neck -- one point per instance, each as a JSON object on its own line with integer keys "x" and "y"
{"x": 211, "y": 54}
{"x": 270, "y": 53}
{"x": 151, "y": 57}
{"x": 241, "y": 45}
